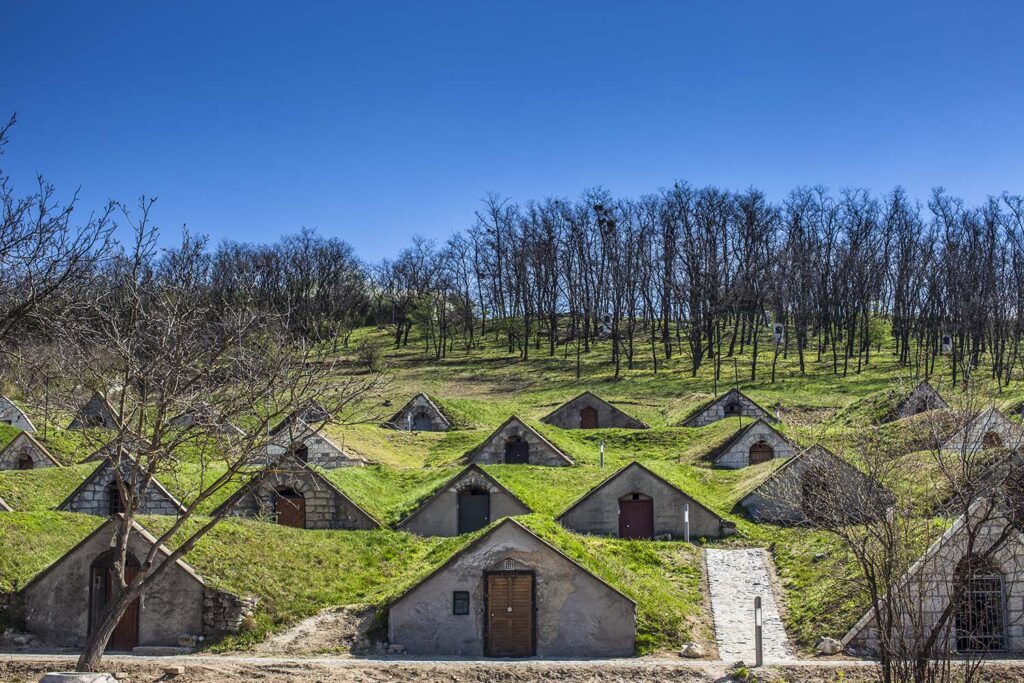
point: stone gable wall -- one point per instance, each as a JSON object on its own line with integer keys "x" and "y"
{"x": 325, "y": 509}
{"x": 420, "y": 405}
{"x": 921, "y": 399}
{"x": 599, "y": 513}
{"x": 95, "y": 410}
{"x": 716, "y": 411}
{"x": 12, "y": 415}
{"x": 493, "y": 451}
{"x": 971, "y": 438}
{"x": 11, "y": 456}
{"x": 568, "y": 416}
{"x": 94, "y": 499}
{"x": 930, "y": 591}
{"x": 440, "y": 516}
{"x": 738, "y": 453}
{"x": 322, "y": 452}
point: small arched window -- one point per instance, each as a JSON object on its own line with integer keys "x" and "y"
{"x": 732, "y": 409}
{"x": 114, "y": 499}
{"x": 980, "y": 612}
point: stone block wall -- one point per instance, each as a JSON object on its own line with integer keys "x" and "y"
{"x": 325, "y": 508}
{"x": 224, "y": 612}
{"x": 13, "y": 415}
{"x": 492, "y": 451}
{"x": 22, "y": 445}
{"x": 422, "y": 407}
{"x": 94, "y": 497}
{"x": 738, "y": 452}
{"x": 930, "y": 589}
{"x": 716, "y": 411}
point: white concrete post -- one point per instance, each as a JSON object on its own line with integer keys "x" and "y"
{"x": 758, "y": 645}
{"x": 602, "y": 454}
{"x": 686, "y": 522}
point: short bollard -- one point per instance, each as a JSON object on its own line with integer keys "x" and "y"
{"x": 758, "y": 645}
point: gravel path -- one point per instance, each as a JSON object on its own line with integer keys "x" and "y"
{"x": 736, "y": 577}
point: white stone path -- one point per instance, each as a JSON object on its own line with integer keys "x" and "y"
{"x": 736, "y": 577}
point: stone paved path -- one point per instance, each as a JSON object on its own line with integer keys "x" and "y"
{"x": 736, "y": 577}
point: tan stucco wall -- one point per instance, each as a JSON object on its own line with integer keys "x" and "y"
{"x": 576, "y": 614}
{"x": 56, "y": 608}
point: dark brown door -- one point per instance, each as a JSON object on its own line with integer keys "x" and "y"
{"x": 636, "y": 518}
{"x": 517, "y": 452}
{"x": 588, "y": 418}
{"x": 291, "y": 509}
{"x": 761, "y": 452}
{"x": 126, "y": 633}
{"x": 474, "y": 510}
{"x": 25, "y": 462}
{"x": 509, "y": 615}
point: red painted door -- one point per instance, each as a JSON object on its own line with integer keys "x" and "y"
{"x": 588, "y": 418}
{"x": 636, "y": 518}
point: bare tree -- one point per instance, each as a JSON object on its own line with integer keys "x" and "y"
{"x": 165, "y": 344}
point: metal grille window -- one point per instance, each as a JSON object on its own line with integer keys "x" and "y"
{"x": 979, "y": 618}
{"x": 460, "y": 602}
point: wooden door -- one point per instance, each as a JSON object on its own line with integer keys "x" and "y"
{"x": 636, "y": 518}
{"x": 291, "y": 509}
{"x": 126, "y": 633}
{"x": 474, "y": 508}
{"x": 25, "y": 462}
{"x": 588, "y": 418}
{"x": 761, "y": 452}
{"x": 517, "y": 452}
{"x": 509, "y": 615}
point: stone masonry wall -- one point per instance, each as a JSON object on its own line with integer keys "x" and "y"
{"x": 716, "y": 411}
{"x": 225, "y": 612}
{"x": 492, "y": 452}
{"x": 738, "y": 453}
{"x": 325, "y": 509}
{"x": 94, "y": 499}
{"x": 420, "y": 405}
{"x": 11, "y": 456}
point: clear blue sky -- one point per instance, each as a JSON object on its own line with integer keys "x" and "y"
{"x": 373, "y": 121}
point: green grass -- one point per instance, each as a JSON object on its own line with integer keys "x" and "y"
{"x": 479, "y": 391}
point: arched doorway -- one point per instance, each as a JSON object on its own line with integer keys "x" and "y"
{"x": 102, "y": 590}
{"x": 25, "y": 462}
{"x": 290, "y": 508}
{"x": 761, "y": 452}
{"x": 588, "y": 418}
{"x": 114, "y": 501}
{"x": 732, "y": 409}
{"x": 474, "y": 509}
{"x": 992, "y": 439}
{"x": 421, "y": 421}
{"x": 517, "y": 451}
{"x": 980, "y": 613}
{"x": 636, "y": 516}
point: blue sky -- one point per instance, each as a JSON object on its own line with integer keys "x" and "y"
{"x": 373, "y": 121}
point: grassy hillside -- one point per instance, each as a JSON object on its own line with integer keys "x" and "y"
{"x": 478, "y": 392}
